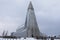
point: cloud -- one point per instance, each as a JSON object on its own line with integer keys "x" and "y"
{"x": 13, "y": 13}
{"x": 48, "y": 16}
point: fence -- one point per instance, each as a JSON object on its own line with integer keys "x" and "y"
{"x": 24, "y": 39}
{"x": 31, "y": 38}
{"x": 17, "y": 39}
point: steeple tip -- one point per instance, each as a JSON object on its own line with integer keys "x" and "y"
{"x": 30, "y": 5}
{"x": 30, "y": 2}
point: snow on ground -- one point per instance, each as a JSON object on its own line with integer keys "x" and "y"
{"x": 24, "y": 39}
{"x": 19, "y": 39}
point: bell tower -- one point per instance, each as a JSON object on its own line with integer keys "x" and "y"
{"x": 31, "y": 23}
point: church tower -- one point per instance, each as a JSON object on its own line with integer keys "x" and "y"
{"x": 30, "y": 29}
{"x": 31, "y": 23}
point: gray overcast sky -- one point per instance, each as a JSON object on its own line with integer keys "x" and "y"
{"x": 13, "y": 13}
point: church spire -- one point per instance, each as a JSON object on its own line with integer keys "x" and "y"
{"x": 31, "y": 23}
{"x": 30, "y": 6}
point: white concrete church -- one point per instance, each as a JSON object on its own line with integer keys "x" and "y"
{"x": 30, "y": 29}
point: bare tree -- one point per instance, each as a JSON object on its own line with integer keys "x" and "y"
{"x": 3, "y": 34}
{"x": 6, "y": 33}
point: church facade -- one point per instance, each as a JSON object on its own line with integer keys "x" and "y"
{"x": 30, "y": 29}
